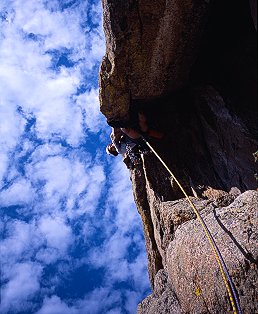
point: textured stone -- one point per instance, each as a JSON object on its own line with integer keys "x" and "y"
{"x": 144, "y": 58}
{"x": 191, "y": 67}
{"x": 141, "y": 199}
{"x": 192, "y": 277}
{"x": 207, "y": 49}
{"x": 163, "y": 300}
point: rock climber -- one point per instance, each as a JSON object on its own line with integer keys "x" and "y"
{"x": 128, "y": 147}
{"x": 129, "y": 143}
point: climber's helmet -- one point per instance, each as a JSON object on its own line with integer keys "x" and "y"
{"x": 111, "y": 150}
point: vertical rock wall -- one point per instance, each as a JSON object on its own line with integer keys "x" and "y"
{"x": 191, "y": 67}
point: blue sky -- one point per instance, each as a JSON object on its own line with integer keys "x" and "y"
{"x": 71, "y": 237}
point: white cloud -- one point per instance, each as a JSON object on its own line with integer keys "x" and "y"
{"x": 42, "y": 152}
{"x": 23, "y": 284}
{"x": 56, "y": 172}
{"x": 87, "y": 230}
{"x": 117, "y": 310}
{"x": 120, "y": 195}
{"x": 27, "y": 79}
{"x": 66, "y": 181}
{"x": 19, "y": 193}
{"x": 112, "y": 255}
{"x": 89, "y": 103}
{"x": 95, "y": 45}
{"x": 132, "y": 300}
{"x": 99, "y": 301}
{"x": 20, "y": 242}
{"x": 49, "y": 168}
{"x": 49, "y": 255}
{"x": 4, "y": 160}
{"x": 11, "y": 125}
{"x": 96, "y": 179}
{"x": 58, "y": 178}
{"x": 57, "y": 233}
{"x": 138, "y": 271}
{"x": 60, "y": 29}
{"x": 54, "y": 305}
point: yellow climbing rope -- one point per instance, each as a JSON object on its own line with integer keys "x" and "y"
{"x": 222, "y": 266}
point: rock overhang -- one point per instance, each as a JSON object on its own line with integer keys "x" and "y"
{"x": 151, "y": 47}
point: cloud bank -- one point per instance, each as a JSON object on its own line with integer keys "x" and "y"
{"x": 71, "y": 238}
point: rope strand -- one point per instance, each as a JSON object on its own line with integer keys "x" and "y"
{"x": 222, "y": 266}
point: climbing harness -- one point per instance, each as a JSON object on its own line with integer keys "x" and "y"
{"x": 222, "y": 266}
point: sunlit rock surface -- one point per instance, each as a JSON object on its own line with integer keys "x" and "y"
{"x": 190, "y": 281}
{"x": 191, "y": 67}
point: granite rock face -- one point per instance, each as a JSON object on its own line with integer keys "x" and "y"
{"x": 191, "y": 68}
{"x": 151, "y": 46}
{"x": 183, "y": 270}
{"x": 190, "y": 281}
